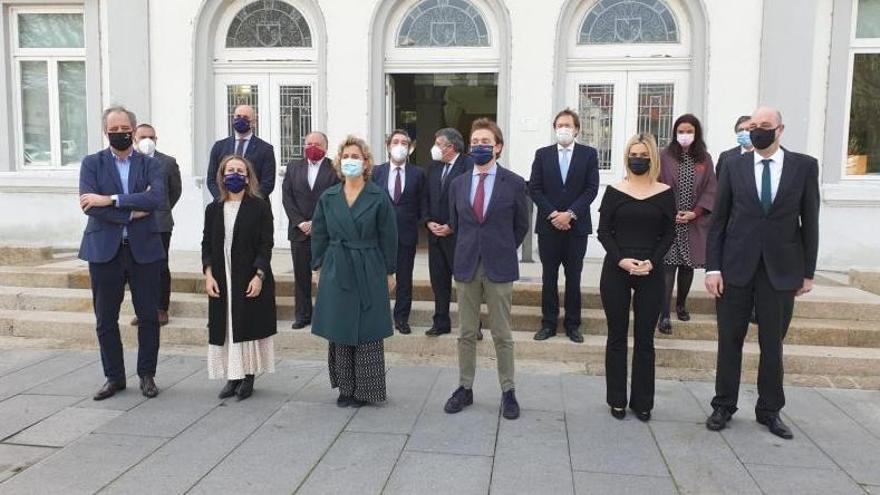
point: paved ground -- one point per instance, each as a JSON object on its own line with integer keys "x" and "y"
{"x": 290, "y": 436}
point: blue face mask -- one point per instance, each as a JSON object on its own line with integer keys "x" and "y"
{"x": 482, "y": 154}
{"x": 235, "y": 183}
{"x": 744, "y": 139}
{"x": 241, "y": 125}
{"x": 352, "y": 167}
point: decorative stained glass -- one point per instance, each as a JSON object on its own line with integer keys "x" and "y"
{"x": 242, "y": 94}
{"x": 656, "y": 104}
{"x": 51, "y": 31}
{"x": 296, "y": 120}
{"x": 596, "y": 112}
{"x": 443, "y": 23}
{"x": 268, "y": 24}
{"x": 628, "y": 21}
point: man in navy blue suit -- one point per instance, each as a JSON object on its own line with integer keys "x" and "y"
{"x": 564, "y": 181}
{"x": 489, "y": 211}
{"x": 405, "y": 183}
{"x": 244, "y": 143}
{"x": 119, "y": 191}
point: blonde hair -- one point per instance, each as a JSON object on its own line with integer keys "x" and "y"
{"x": 253, "y": 185}
{"x": 365, "y": 151}
{"x": 650, "y": 142}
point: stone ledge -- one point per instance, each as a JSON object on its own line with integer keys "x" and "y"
{"x": 17, "y": 255}
{"x": 865, "y": 280}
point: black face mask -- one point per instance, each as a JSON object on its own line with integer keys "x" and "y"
{"x": 120, "y": 141}
{"x": 639, "y": 166}
{"x": 762, "y": 138}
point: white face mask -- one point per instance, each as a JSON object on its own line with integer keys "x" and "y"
{"x": 685, "y": 139}
{"x": 352, "y": 167}
{"x": 564, "y": 135}
{"x": 146, "y": 146}
{"x": 436, "y": 153}
{"x": 399, "y": 153}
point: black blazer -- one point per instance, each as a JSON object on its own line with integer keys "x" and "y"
{"x": 413, "y": 205}
{"x": 580, "y": 188}
{"x": 298, "y": 198}
{"x": 731, "y": 154}
{"x": 438, "y": 194}
{"x": 252, "y": 318}
{"x": 173, "y": 189}
{"x": 786, "y": 239}
{"x": 260, "y": 153}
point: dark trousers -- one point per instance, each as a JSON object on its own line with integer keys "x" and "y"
{"x": 774, "y": 309}
{"x": 441, "y": 258}
{"x": 108, "y": 289}
{"x": 618, "y": 289}
{"x": 561, "y": 248}
{"x": 685, "y": 279}
{"x": 406, "y": 256}
{"x": 165, "y": 276}
{"x": 302, "y": 279}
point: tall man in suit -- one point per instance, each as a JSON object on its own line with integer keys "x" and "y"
{"x": 743, "y": 143}
{"x": 489, "y": 212}
{"x": 762, "y": 250}
{"x": 145, "y": 139}
{"x": 244, "y": 143}
{"x": 450, "y": 161}
{"x": 563, "y": 184}
{"x": 406, "y": 186}
{"x": 304, "y": 182}
{"x": 119, "y": 191}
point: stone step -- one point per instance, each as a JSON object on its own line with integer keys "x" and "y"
{"x": 78, "y": 328}
{"x": 527, "y": 319}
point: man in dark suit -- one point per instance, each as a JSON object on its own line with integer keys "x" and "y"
{"x": 406, "y": 184}
{"x": 761, "y": 250}
{"x": 304, "y": 182}
{"x": 145, "y": 139}
{"x": 743, "y": 144}
{"x": 489, "y": 212}
{"x": 450, "y": 161}
{"x": 563, "y": 184}
{"x": 119, "y": 191}
{"x": 244, "y": 143}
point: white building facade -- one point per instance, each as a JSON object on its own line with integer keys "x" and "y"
{"x": 365, "y": 67}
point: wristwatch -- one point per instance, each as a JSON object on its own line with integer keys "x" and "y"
{"x": 573, "y": 215}
{"x": 261, "y": 275}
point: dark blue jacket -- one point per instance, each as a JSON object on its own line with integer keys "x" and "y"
{"x": 438, "y": 194}
{"x": 411, "y": 209}
{"x": 580, "y": 188}
{"x": 496, "y": 240}
{"x": 260, "y": 153}
{"x": 103, "y": 233}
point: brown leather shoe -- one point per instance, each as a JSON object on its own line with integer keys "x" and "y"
{"x": 109, "y": 390}
{"x": 148, "y": 387}
{"x": 163, "y": 318}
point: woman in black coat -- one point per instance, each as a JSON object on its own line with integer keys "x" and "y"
{"x": 236, "y": 251}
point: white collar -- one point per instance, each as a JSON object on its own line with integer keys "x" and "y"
{"x": 315, "y": 164}
{"x": 246, "y": 138}
{"x": 775, "y": 157}
{"x": 491, "y": 171}
{"x": 560, "y": 147}
{"x": 743, "y": 151}
{"x": 454, "y": 159}
{"x": 402, "y": 167}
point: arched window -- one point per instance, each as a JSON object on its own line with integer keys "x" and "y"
{"x": 443, "y": 23}
{"x": 628, "y": 21}
{"x": 268, "y": 24}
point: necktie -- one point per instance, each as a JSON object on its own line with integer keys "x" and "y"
{"x": 398, "y": 186}
{"x": 766, "y": 188}
{"x": 239, "y": 147}
{"x": 446, "y": 167}
{"x": 480, "y": 198}
{"x": 563, "y": 164}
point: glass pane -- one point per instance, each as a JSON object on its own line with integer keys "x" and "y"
{"x": 72, "y": 111}
{"x": 863, "y": 153}
{"x": 628, "y": 21}
{"x": 241, "y": 94}
{"x": 35, "y": 112}
{"x": 268, "y": 24}
{"x": 296, "y": 120}
{"x": 50, "y": 31}
{"x": 443, "y": 23}
{"x": 596, "y": 111}
{"x": 868, "y": 21}
{"x": 655, "y": 111}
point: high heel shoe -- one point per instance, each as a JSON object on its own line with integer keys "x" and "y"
{"x": 229, "y": 389}
{"x": 246, "y": 388}
{"x": 618, "y": 413}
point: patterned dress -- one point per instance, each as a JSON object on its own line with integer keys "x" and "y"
{"x": 358, "y": 370}
{"x": 234, "y": 360}
{"x": 680, "y": 252}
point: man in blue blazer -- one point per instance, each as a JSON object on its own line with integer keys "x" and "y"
{"x": 244, "y": 143}
{"x": 489, "y": 212}
{"x": 563, "y": 184}
{"x": 119, "y": 191}
{"x": 405, "y": 184}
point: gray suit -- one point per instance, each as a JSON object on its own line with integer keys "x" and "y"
{"x": 173, "y": 189}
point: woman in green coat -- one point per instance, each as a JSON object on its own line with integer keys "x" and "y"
{"x": 354, "y": 254}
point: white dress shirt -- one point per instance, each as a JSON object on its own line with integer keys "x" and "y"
{"x": 314, "y": 168}
{"x": 392, "y": 176}
{"x": 447, "y": 167}
{"x": 776, "y": 162}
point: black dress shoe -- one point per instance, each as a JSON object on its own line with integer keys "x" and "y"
{"x": 403, "y": 327}
{"x": 343, "y": 400}
{"x": 665, "y": 326}
{"x": 509, "y": 405}
{"x": 148, "y": 387}
{"x": 461, "y": 398}
{"x": 682, "y": 313}
{"x": 776, "y": 426}
{"x": 719, "y": 418}
{"x": 298, "y": 324}
{"x": 229, "y": 389}
{"x": 643, "y": 416}
{"x": 357, "y": 403}
{"x": 618, "y": 413}
{"x": 245, "y": 388}
{"x": 109, "y": 390}
{"x": 545, "y": 333}
{"x": 575, "y": 336}
{"x": 436, "y": 332}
